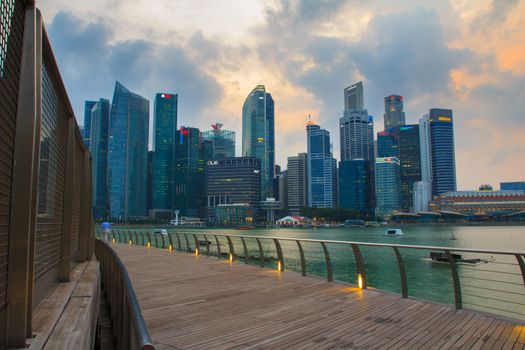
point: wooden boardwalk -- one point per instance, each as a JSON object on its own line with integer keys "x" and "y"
{"x": 192, "y": 302}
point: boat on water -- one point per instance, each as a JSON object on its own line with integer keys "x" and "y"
{"x": 372, "y": 224}
{"x": 444, "y": 258}
{"x": 394, "y": 232}
{"x": 354, "y": 223}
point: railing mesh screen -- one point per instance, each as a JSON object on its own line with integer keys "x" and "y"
{"x": 75, "y": 226}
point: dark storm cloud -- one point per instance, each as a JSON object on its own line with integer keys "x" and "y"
{"x": 91, "y": 62}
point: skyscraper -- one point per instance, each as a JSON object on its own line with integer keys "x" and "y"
{"x": 388, "y": 186}
{"x": 88, "y": 105}
{"x": 99, "y": 152}
{"x": 442, "y": 151}
{"x": 394, "y": 115}
{"x": 220, "y": 143}
{"x": 354, "y": 97}
{"x": 128, "y": 154}
{"x": 410, "y": 158}
{"x": 258, "y": 134}
{"x": 189, "y": 173}
{"x": 297, "y": 176}
{"x": 322, "y": 192}
{"x": 164, "y": 139}
{"x": 354, "y": 185}
{"x": 387, "y": 144}
{"x": 426, "y": 153}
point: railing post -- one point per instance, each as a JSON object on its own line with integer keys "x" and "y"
{"x": 245, "y": 250}
{"x": 179, "y": 245}
{"x": 261, "y": 251}
{"x": 402, "y": 273}
{"x": 207, "y": 246}
{"x": 136, "y": 238}
{"x": 522, "y": 266}
{"x": 303, "y": 260}
{"x": 218, "y": 246}
{"x": 455, "y": 280}
{"x": 196, "y": 242}
{"x": 187, "y": 242}
{"x": 170, "y": 240}
{"x": 232, "y": 250}
{"x": 280, "y": 257}
{"x": 360, "y": 264}
{"x": 148, "y": 235}
{"x": 329, "y": 275}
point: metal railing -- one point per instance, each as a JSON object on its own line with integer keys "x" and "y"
{"x": 486, "y": 280}
{"x": 129, "y": 328}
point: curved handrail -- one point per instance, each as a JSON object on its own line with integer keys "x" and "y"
{"x": 128, "y": 299}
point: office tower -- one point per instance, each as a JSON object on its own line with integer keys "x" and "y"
{"x": 512, "y": 186}
{"x": 426, "y": 155}
{"x": 164, "y": 139}
{"x": 394, "y": 115}
{"x": 354, "y": 185}
{"x": 409, "y": 155}
{"x": 189, "y": 173}
{"x": 322, "y": 168}
{"x": 88, "y": 106}
{"x": 99, "y": 130}
{"x": 354, "y": 97}
{"x": 149, "y": 186}
{"x": 387, "y": 144}
{"x": 128, "y": 154}
{"x": 356, "y": 131}
{"x": 442, "y": 150}
{"x": 422, "y": 194}
{"x": 258, "y": 134}
{"x": 218, "y": 142}
{"x": 280, "y": 188}
{"x": 297, "y": 177}
{"x": 388, "y": 186}
{"x": 233, "y": 186}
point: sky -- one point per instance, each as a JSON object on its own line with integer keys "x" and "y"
{"x": 468, "y": 56}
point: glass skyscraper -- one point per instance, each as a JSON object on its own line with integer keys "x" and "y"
{"x": 128, "y": 154}
{"x": 258, "y": 135}
{"x": 388, "y": 186}
{"x": 297, "y": 176}
{"x": 354, "y": 97}
{"x": 164, "y": 139}
{"x": 410, "y": 157}
{"x": 86, "y": 135}
{"x": 386, "y": 144}
{"x": 219, "y": 143}
{"x": 189, "y": 173}
{"x": 322, "y": 167}
{"x": 354, "y": 185}
{"x": 441, "y": 125}
{"x": 394, "y": 115}
{"x": 99, "y": 152}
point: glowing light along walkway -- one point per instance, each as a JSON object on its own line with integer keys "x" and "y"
{"x": 199, "y": 302}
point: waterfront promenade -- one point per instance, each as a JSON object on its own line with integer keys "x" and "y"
{"x": 199, "y": 302}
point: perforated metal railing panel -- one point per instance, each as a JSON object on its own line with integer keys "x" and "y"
{"x": 12, "y": 25}
{"x": 75, "y": 225}
{"x": 52, "y": 172}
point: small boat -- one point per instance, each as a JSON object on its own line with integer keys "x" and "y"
{"x": 244, "y": 228}
{"x": 354, "y": 223}
{"x": 372, "y": 224}
{"x": 394, "y": 232}
{"x": 443, "y": 258}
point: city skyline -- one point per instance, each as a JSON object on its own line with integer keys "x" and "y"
{"x": 487, "y": 148}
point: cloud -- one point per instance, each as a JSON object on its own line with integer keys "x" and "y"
{"x": 91, "y": 61}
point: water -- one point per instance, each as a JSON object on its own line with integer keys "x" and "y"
{"x": 496, "y": 286}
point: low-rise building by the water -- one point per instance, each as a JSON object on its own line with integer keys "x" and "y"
{"x": 480, "y": 202}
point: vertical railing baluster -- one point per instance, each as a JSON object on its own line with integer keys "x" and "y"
{"x": 303, "y": 260}
{"x": 187, "y": 242}
{"x": 280, "y": 257}
{"x": 455, "y": 280}
{"x": 329, "y": 275}
{"x": 360, "y": 264}
{"x": 232, "y": 250}
{"x": 170, "y": 241}
{"x": 179, "y": 244}
{"x": 197, "y": 246}
{"x": 245, "y": 250}
{"x": 218, "y": 246}
{"x": 207, "y": 246}
{"x": 402, "y": 273}
{"x": 261, "y": 251}
{"x": 522, "y": 266}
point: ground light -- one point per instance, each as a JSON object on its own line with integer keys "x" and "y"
{"x": 170, "y": 248}
{"x": 149, "y": 244}
{"x": 231, "y": 257}
{"x": 360, "y": 281}
{"x": 279, "y": 266}
{"x": 196, "y": 251}
{"x": 113, "y": 240}
{"x": 130, "y": 242}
